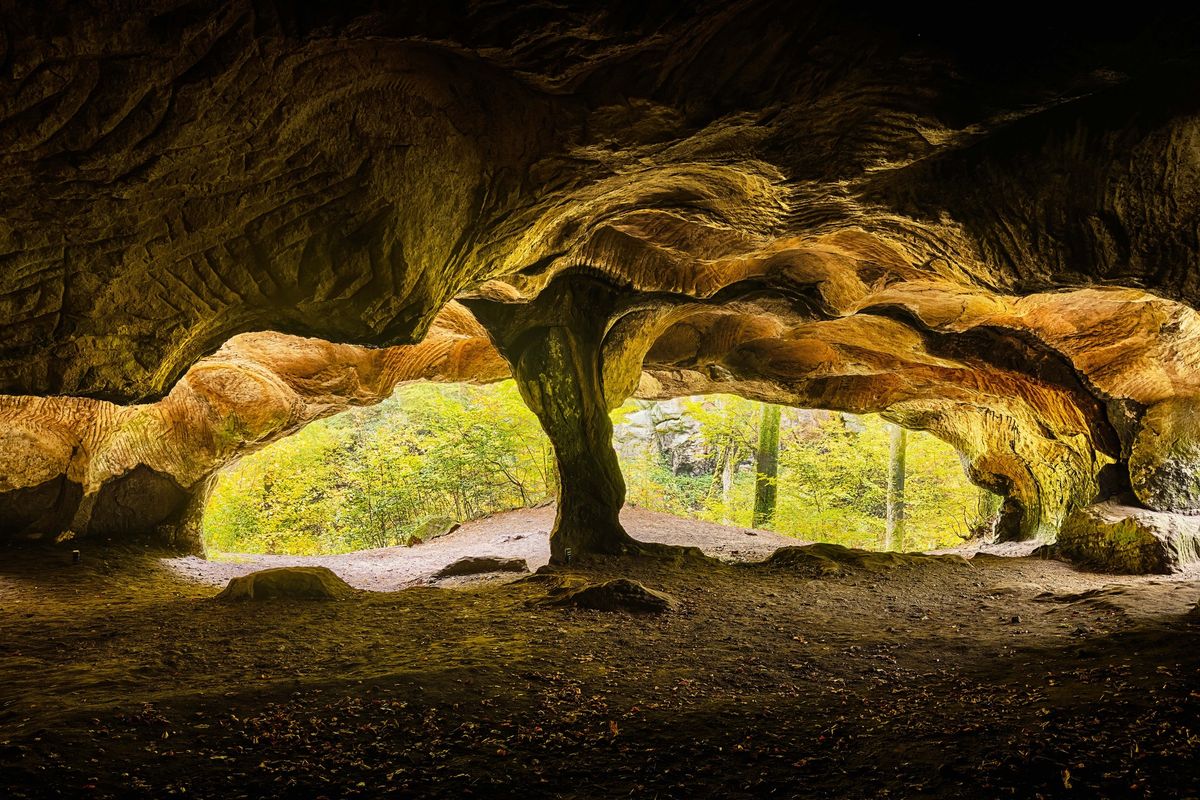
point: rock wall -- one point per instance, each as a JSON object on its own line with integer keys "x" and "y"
{"x": 90, "y": 467}
{"x": 985, "y": 231}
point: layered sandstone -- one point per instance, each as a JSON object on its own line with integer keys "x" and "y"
{"x": 987, "y": 232}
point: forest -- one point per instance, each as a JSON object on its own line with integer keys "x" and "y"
{"x": 433, "y": 455}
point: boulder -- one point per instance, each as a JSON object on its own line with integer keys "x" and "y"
{"x": 1126, "y": 539}
{"x": 480, "y": 565}
{"x": 287, "y": 583}
{"x": 432, "y": 528}
{"x": 1164, "y": 465}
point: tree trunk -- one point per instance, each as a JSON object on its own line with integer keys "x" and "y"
{"x": 893, "y": 537}
{"x": 727, "y": 465}
{"x": 767, "y": 466}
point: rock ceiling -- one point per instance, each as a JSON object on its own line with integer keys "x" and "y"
{"x": 990, "y": 232}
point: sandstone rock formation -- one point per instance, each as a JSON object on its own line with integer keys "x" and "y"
{"x": 1124, "y": 539}
{"x": 95, "y": 468}
{"x": 286, "y": 583}
{"x": 986, "y": 231}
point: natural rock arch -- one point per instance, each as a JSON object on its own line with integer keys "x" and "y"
{"x": 1027, "y": 425}
{"x": 91, "y": 467}
{"x": 989, "y": 233}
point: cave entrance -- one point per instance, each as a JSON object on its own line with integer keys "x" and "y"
{"x": 707, "y": 457}
{"x": 433, "y": 456}
{"x": 398, "y": 473}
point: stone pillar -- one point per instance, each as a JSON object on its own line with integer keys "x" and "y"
{"x": 555, "y": 347}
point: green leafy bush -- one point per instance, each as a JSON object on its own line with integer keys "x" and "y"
{"x": 375, "y": 477}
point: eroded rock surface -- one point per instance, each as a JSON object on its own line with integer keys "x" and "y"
{"x": 96, "y": 468}
{"x": 1125, "y": 539}
{"x": 987, "y": 232}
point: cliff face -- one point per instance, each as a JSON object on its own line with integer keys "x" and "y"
{"x": 989, "y": 232}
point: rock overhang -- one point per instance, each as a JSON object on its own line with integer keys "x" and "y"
{"x": 984, "y": 234}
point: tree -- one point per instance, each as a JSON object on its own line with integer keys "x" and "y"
{"x": 375, "y": 476}
{"x": 729, "y": 431}
{"x": 766, "y": 466}
{"x": 893, "y": 537}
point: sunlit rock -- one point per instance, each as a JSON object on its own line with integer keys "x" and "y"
{"x": 1164, "y": 467}
{"x": 96, "y": 468}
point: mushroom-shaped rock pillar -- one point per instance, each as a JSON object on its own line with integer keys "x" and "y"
{"x": 555, "y": 347}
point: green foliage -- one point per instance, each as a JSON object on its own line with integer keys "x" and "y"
{"x": 833, "y": 486}
{"x": 373, "y": 477}
{"x": 726, "y": 421}
{"x": 832, "y": 480}
{"x": 649, "y": 483}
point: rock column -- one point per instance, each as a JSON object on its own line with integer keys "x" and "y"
{"x": 555, "y": 347}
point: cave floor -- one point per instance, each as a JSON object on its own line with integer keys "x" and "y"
{"x": 1004, "y": 677}
{"x": 523, "y": 533}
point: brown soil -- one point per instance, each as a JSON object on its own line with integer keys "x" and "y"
{"x": 1002, "y": 677}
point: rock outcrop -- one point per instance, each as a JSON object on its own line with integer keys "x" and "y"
{"x": 984, "y": 231}
{"x": 1125, "y": 539}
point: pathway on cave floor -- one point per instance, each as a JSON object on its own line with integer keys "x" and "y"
{"x": 524, "y": 533}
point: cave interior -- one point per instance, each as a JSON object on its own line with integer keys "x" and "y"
{"x": 222, "y": 221}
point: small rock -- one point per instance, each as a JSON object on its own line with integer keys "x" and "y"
{"x": 432, "y": 528}
{"x": 1016, "y": 620}
{"x": 287, "y": 583}
{"x": 621, "y": 594}
{"x": 480, "y": 565}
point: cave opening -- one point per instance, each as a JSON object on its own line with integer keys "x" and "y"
{"x": 409, "y": 469}
{"x": 226, "y": 225}
{"x": 435, "y": 456}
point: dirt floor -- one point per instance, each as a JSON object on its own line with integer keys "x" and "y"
{"x": 524, "y": 533}
{"x": 997, "y": 677}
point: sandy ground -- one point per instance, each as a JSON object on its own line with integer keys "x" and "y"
{"x": 524, "y": 533}
{"x": 997, "y": 677}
